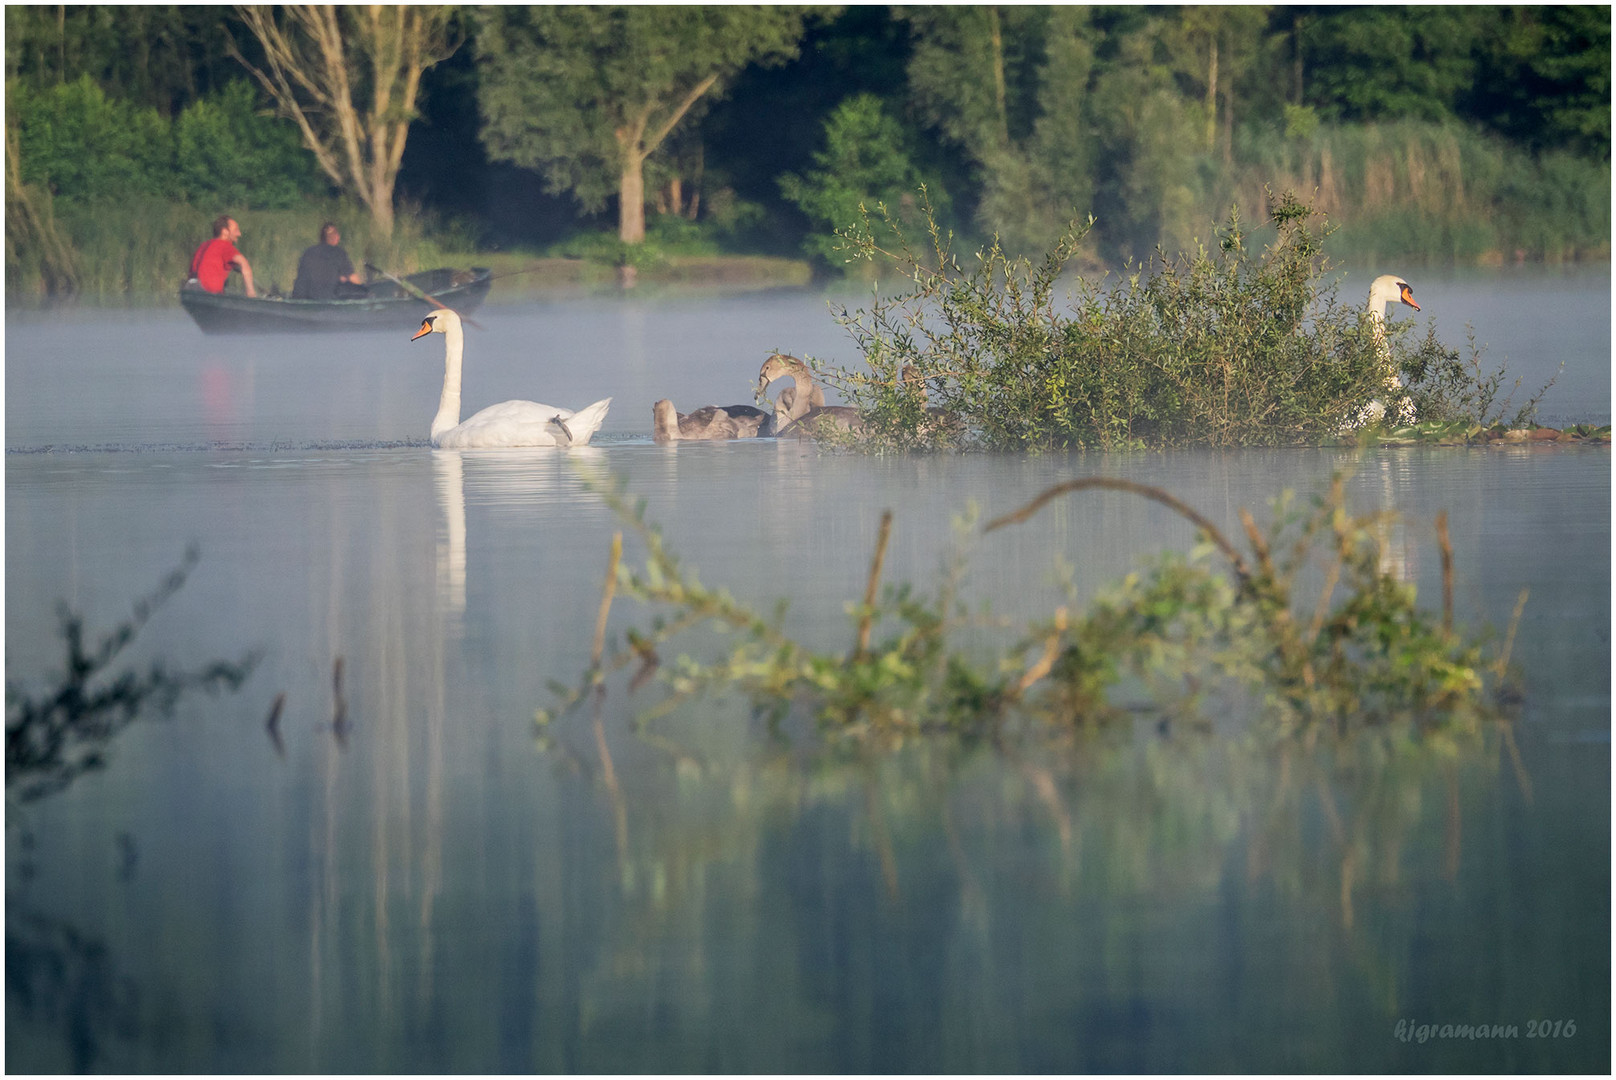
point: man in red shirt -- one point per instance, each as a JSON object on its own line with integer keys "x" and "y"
{"x": 214, "y": 260}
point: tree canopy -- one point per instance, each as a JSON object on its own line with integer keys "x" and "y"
{"x": 587, "y": 94}
{"x": 1443, "y": 132}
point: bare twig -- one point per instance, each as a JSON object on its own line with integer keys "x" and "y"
{"x": 1502, "y": 662}
{"x": 606, "y": 595}
{"x": 1154, "y": 493}
{"x": 339, "y": 711}
{"x": 614, "y": 791}
{"x": 1445, "y": 545}
{"x": 1521, "y": 777}
{"x": 273, "y": 724}
{"x": 1045, "y": 662}
{"x": 874, "y": 581}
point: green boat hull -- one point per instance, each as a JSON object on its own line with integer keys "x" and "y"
{"x": 388, "y": 306}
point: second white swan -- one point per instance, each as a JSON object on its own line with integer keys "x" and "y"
{"x": 510, "y": 423}
{"x": 1386, "y": 290}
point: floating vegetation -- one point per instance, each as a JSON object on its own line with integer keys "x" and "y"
{"x": 1187, "y": 638}
{"x": 57, "y": 736}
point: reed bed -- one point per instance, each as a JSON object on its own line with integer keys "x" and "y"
{"x": 139, "y": 250}
{"x": 1427, "y": 193}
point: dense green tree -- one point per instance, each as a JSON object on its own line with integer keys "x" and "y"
{"x": 773, "y": 121}
{"x": 1217, "y": 49}
{"x": 957, "y": 74}
{"x": 1392, "y": 63}
{"x": 587, "y": 94}
{"x": 865, "y": 162}
{"x": 1149, "y": 141}
{"x": 162, "y": 56}
{"x": 78, "y": 143}
{"x": 229, "y": 153}
{"x": 1011, "y": 88}
{"x": 1544, "y": 80}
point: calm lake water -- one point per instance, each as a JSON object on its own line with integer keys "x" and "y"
{"x": 438, "y": 891}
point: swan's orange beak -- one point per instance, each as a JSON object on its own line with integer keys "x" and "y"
{"x": 1408, "y": 296}
{"x": 426, "y": 324}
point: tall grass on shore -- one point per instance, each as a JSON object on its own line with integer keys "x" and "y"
{"x": 139, "y": 250}
{"x": 1426, "y": 193}
{"x": 36, "y": 250}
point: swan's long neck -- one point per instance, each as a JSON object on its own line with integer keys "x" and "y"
{"x": 806, "y": 395}
{"x": 449, "y": 404}
{"x": 1381, "y": 293}
{"x": 801, "y": 401}
{"x": 1386, "y": 290}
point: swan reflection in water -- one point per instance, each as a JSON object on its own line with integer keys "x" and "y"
{"x": 449, "y": 477}
{"x": 514, "y": 478}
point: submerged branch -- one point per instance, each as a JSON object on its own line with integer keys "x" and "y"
{"x": 869, "y": 588}
{"x": 1146, "y": 491}
{"x": 1367, "y": 658}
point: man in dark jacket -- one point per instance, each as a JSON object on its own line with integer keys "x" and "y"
{"x": 324, "y": 272}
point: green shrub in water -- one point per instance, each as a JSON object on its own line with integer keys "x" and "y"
{"x": 1222, "y": 347}
{"x": 1220, "y": 624}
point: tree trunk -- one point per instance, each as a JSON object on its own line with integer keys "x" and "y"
{"x": 999, "y": 94}
{"x": 1296, "y": 89}
{"x": 1228, "y": 127}
{"x": 1212, "y": 96}
{"x": 699, "y": 174}
{"x": 631, "y": 200}
{"x": 381, "y": 213}
{"x": 636, "y": 141}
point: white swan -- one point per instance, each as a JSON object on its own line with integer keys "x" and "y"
{"x": 1388, "y": 289}
{"x": 510, "y": 423}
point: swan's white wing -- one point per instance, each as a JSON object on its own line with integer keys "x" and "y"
{"x": 577, "y": 428}
{"x": 510, "y": 423}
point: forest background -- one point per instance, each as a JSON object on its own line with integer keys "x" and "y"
{"x": 669, "y": 137}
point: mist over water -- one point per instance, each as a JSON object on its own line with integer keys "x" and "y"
{"x": 429, "y": 889}
{"x": 127, "y": 379}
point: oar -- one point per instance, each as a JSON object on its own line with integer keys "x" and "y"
{"x": 418, "y": 293}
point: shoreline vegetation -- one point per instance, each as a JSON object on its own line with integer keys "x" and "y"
{"x": 135, "y": 253}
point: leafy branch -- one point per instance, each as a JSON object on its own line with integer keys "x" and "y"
{"x": 1359, "y": 655}
{"x": 54, "y": 738}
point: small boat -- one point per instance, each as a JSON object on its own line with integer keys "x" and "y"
{"x": 386, "y": 308}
